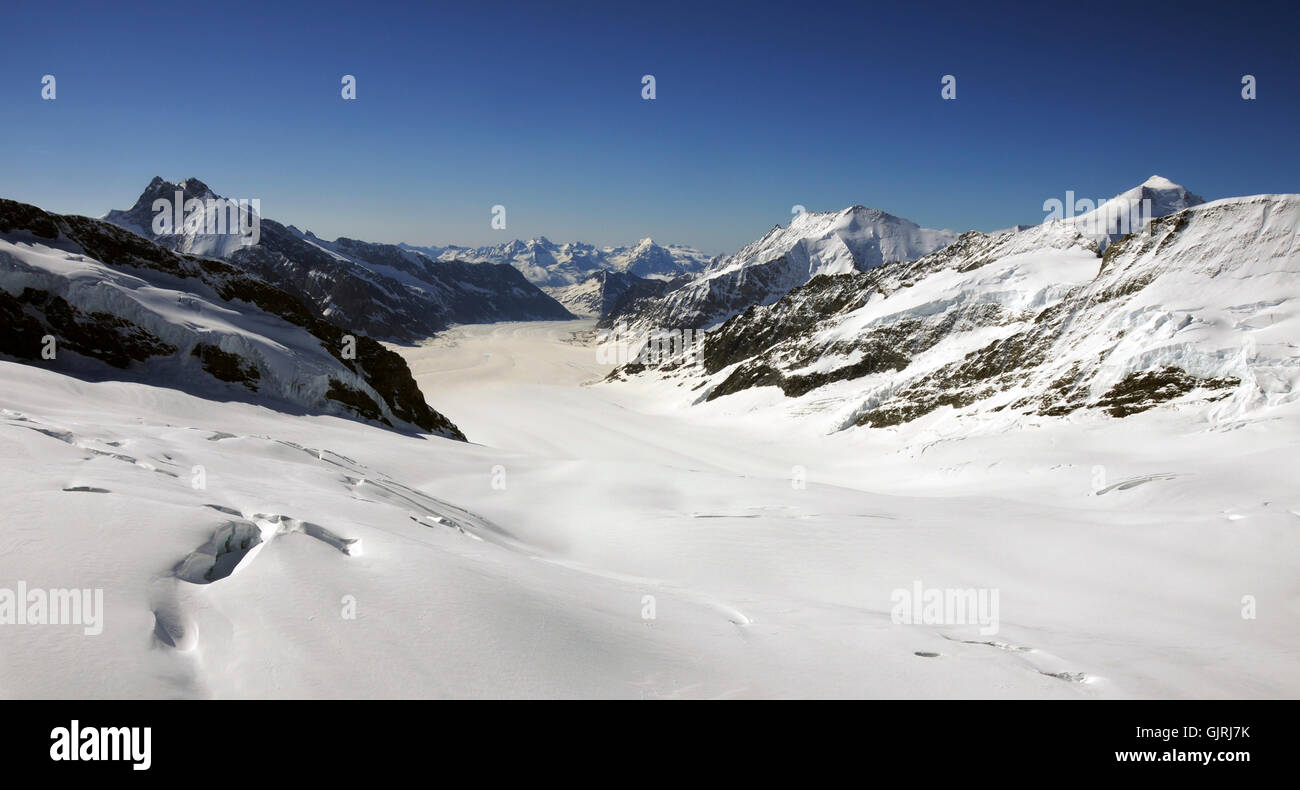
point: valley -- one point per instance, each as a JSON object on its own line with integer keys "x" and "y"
{"x": 1012, "y": 467}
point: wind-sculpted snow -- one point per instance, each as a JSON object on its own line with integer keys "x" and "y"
{"x": 853, "y": 240}
{"x": 237, "y": 498}
{"x": 86, "y": 297}
{"x": 1198, "y": 307}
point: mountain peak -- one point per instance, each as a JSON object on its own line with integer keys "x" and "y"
{"x": 1156, "y": 197}
{"x": 1160, "y": 182}
{"x": 193, "y": 185}
{"x": 1168, "y": 196}
{"x": 160, "y": 187}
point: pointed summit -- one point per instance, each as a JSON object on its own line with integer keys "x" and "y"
{"x": 1160, "y": 182}
{"x": 160, "y": 187}
{"x": 1167, "y": 196}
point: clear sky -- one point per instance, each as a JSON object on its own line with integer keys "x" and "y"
{"x": 537, "y": 106}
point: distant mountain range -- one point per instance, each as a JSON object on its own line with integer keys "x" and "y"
{"x": 855, "y": 239}
{"x": 885, "y": 320}
{"x": 382, "y": 290}
{"x": 550, "y": 265}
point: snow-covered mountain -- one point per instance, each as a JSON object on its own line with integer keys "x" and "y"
{"x": 1125, "y": 212}
{"x": 552, "y": 265}
{"x": 595, "y": 294}
{"x": 379, "y": 289}
{"x": 86, "y": 297}
{"x": 1200, "y": 307}
{"x": 605, "y": 293}
{"x": 836, "y": 242}
{"x": 814, "y": 243}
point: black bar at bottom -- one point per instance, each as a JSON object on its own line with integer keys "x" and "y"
{"x": 235, "y": 741}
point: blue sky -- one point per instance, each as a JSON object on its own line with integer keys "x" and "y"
{"x": 537, "y": 107}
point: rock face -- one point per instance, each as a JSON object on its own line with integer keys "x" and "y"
{"x": 855, "y": 239}
{"x": 379, "y": 289}
{"x": 602, "y": 293}
{"x": 1198, "y": 307}
{"x": 87, "y": 297}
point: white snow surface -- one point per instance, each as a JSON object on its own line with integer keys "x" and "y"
{"x": 519, "y": 566}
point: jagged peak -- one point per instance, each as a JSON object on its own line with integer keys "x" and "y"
{"x": 192, "y": 184}
{"x": 161, "y": 187}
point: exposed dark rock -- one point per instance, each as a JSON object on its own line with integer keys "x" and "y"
{"x": 357, "y": 400}
{"x": 1144, "y": 389}
{"x": 227, "y": 366}
{"x": 113, "y": 340}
